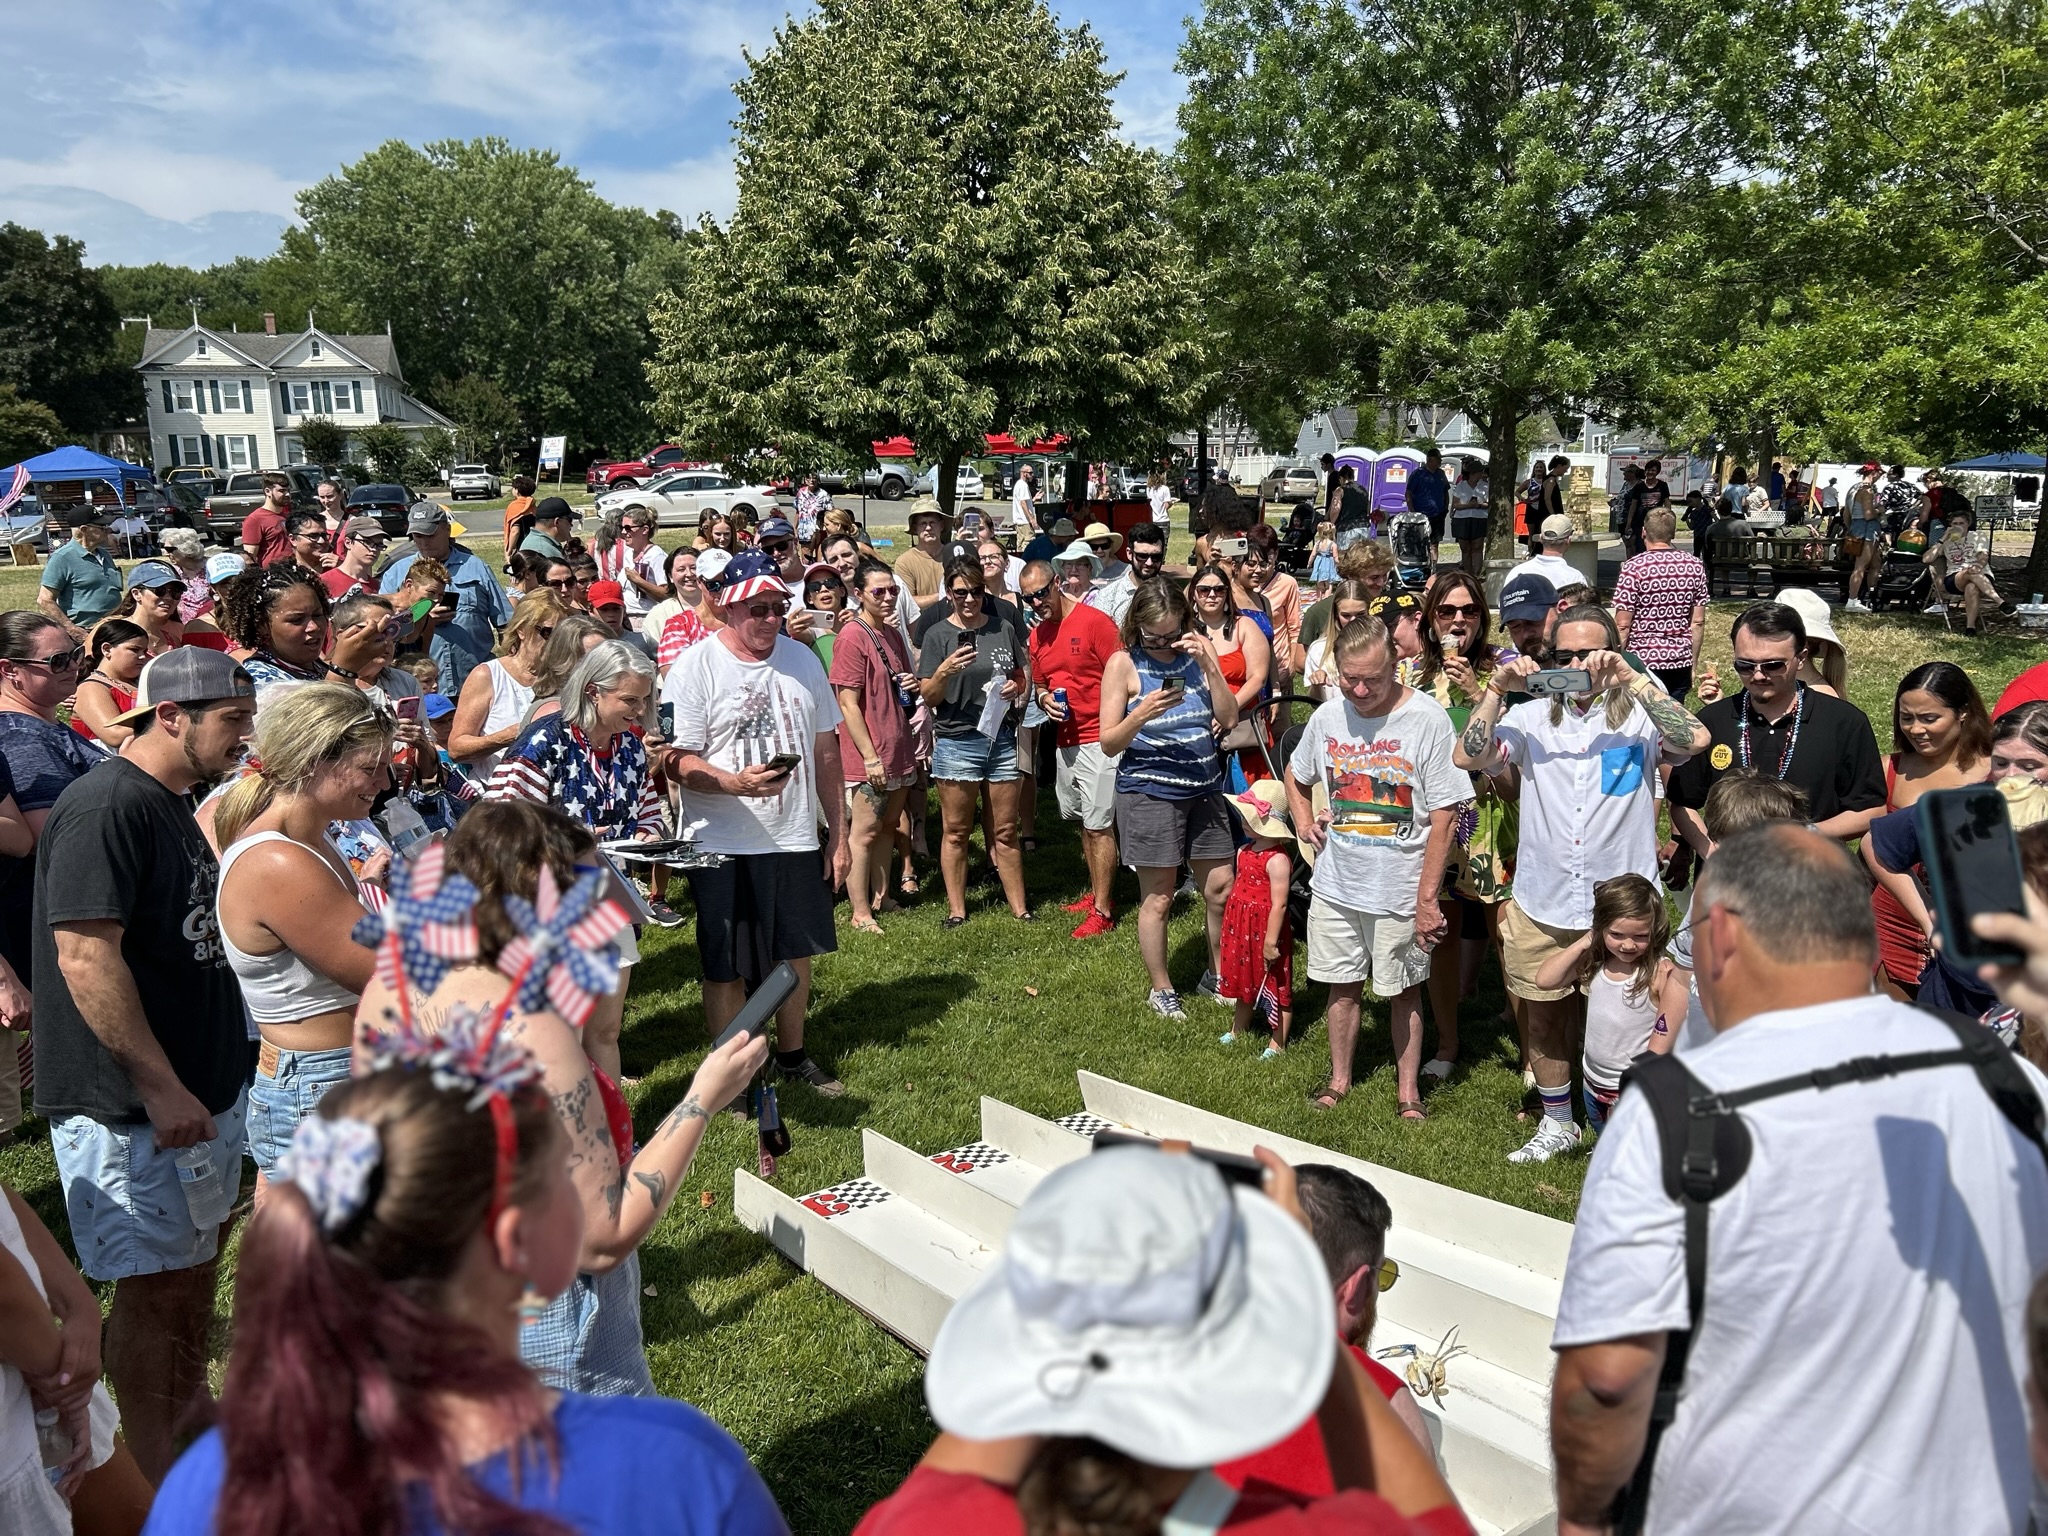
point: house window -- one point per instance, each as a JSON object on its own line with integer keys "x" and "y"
{"x": 323, "y": 397}
{"x": 213, "y": 387}
{"x": 299, "y": 399}
{"x": 184, "y": 389}
{"x": 355, "y": 388}
{"x": 193, "y": 453}
{"x": 316, "y": 346}
{"x": 201, "y": 348}
{"x": 231, "y": 396}
{"x": 238, "y": 453}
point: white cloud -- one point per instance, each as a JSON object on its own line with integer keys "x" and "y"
{"x": 165, "y": 182}
{"x": 703, "y": 184}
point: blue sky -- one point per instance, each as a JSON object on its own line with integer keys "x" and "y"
{"x": 180, "y": 130}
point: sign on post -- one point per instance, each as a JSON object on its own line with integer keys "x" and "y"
{"x": 551, "y": 452}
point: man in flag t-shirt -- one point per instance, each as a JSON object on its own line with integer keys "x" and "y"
{"x": 1381, "y": 754}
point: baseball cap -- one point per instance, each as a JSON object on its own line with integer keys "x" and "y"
{"x": 604, "y": 594}
{"x": 960, "y": 549}
{"x": 425, "y": 517}
{"x": 435, "y": 705}
{"x": 774, "y": 528}
{"x": 223, "y": 567}
{"x": 748, "y": 574}
{"x": 1557, "y": 526}
{"x": 711, "y": 564}
{"x": 364, "y": 528}
{"x": 1527, "y": 597}
{"x": 1871, "y": 467}
{"x": 189, "y": 674}
{"x": 548, "y": 508}
{"x": 154, "y": 573}
{"x": 1389, "y": 606}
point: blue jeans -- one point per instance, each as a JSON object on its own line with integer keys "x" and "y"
{"x": 974, "y": 759}
{"x": 277, "y": 1104}
{"x": 1599, "y": 1105}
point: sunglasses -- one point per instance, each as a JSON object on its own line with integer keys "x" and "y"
{"x": 61, "y": 661}
{"x": 547, "y": 631}
{"x": 1390, "y": 1271}
{"x": 1037, "y": 595}
{"x": 563, "y": 585}
{"x": 168, "y": 592}
{"x": 1769, "y": 668}
{"x": 1147, "y": 556}
{"x": 1210, "y": 589}
{"x": 1580, "y": 655}
{"x": 962, "y": 594}
{"x": 777, "y": 546}
{"x": 766, "y": 610}
{"x": 1160, "y": 641}
{"x": 1458, "y": 610}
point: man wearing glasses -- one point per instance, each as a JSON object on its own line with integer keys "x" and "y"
{"x": 1146, "y": 546}
{"x": 1781, "y": 728}
{"x": 1588, "y": 765}
{"x": 362, "y": 541}
{"x": 1070, "y": 643}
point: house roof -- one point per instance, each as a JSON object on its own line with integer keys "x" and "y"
{"x": 264, "y": 349}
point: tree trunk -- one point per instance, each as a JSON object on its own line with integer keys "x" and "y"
{"x": 946, "y": 482}
{"x": 2037, "y": 558}
{"x": 1503, "y": 469}
{"x": 1201, "y": 458}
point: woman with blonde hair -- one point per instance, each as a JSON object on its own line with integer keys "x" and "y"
{"x": 575, "y": 633}
{"x": 287, "y": 898}
{"x": 496, "y": 695}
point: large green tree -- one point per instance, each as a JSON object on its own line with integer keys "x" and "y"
{"x": 56, "y": 332}
{"x": 939, "y": 233}
{"x": 1452, "y": 201}
{"x": 498, "y": 264}
{"x": 232, "y": 295}
{"x": 27, "y": 427}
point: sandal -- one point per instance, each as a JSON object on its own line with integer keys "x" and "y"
{"x": 1410, "y": 1110}
{"x": 1271, "y": 1053}
{"x": 1329, "y": 1098}
{"x": 953, "y": 922}
{"x": 1028, "y": 845}
{"x": 908, "y": 885}
{"x": 867, "y": 925}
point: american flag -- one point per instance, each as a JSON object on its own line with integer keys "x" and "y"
{"x": 17, "y": 487}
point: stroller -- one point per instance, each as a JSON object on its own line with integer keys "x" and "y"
{"x": 1297, "y": 539}
{"x": 1903, "y": 582}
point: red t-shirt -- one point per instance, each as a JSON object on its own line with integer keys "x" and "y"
{"x": 263, "y": 531}
{"x": 340, "y": 584}
{"x": 1070, "y": 653}
{"x": 1299, "y": 1465}
{"x": 935, "y": 1503}
{"x": 2030, "y": 685}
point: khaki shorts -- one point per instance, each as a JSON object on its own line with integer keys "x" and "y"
{"x": 1087, "y": 786}
{"x": 1526, "y": 946}
{"x": 1345, "y": 946}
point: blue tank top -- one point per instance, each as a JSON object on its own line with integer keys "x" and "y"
{"x": 1173, "y": 757}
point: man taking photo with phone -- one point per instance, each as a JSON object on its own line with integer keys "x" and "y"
{"x": 1587, "y": 758}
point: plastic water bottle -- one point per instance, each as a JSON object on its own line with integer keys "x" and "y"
{"x": 53, "y": 1446}
{"x": 207, "y": 1196}
{"x": 402, "y": 823}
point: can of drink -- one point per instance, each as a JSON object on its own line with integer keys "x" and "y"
{"x": 907, "y": 698}
{"x": 1059, "y": 697}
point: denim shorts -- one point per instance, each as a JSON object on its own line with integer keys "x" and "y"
{"x": 277, "y": 1104}
{"x": 121, "y": 1193}
{"x": 973, "y": 758}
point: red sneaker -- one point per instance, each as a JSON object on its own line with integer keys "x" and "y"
{"x": 1086, "y": 903}
{"x": 1095, "y": 924}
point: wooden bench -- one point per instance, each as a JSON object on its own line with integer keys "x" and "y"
{"x": 1758, "y": 564}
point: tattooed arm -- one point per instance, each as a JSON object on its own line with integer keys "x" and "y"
{"x": 1679, "y": 729}
{"x": 1477, "y": 750}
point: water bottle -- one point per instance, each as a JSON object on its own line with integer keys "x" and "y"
{"x": 52, "y": 1444}
{"x": 207, "y": 1196}
{"x": 402, "y": 824}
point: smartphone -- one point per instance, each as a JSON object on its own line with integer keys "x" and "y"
{"x": 784, "y": 762}
{"x": 757, "y": 1013}
{"x": 1235, "y": 1167}
{"x": 667, "y": 715}
{"x": 1559, "y": 680}
{"x": 1174, "y": 687}
{"x": 1230, "y": 549}
{"x": 407, "y": 709}
{"x": 1972, "y": 861}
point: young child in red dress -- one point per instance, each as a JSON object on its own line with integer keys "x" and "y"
{"x": 1258, "y": 946}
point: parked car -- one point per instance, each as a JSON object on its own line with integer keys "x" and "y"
{"x": 631, "y": 474}
{"x": 890, "y": 481}
{"x": 242, "y": 494}
{"x": 386, "y": 502}
{"x": 467, "y": 480}
{"x": 174, "y": 504}
{"x": 679, "y": 500}
{"x": 966, "y": 485}
{"x": 1293, "y": 482}
{"x": 1128, "y": 483}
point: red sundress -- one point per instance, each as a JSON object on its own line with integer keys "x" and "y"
{"x": 1245, "y": 971}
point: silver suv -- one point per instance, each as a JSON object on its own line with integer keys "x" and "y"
{"x": 467, "y": 480}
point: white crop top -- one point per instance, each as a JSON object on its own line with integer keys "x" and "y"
{"x": 279, "y": 988}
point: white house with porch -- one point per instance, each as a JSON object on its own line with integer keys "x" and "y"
{"x": 229, "y": 400}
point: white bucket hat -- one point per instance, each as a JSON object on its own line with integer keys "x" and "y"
{"x": 1142, "y": 1302}
{"x": 1812, "y": 609}
{"x": 1079, "y": 550}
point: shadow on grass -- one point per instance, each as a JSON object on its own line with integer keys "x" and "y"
{"x": 827, "y": 1473}
{"x": 723, "y": 1253}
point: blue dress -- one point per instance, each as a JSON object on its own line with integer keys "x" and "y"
{"x": 1324, "y": 567}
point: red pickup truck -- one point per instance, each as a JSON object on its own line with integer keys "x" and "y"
{"x": 631, "y": 474}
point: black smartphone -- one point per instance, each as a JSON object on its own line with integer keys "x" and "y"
{"x": 1559, "y": 680}
{"x": 784, "y": 762}
{"x": 1174, "y": 687}
{"x": 667, "y": 714}
{"x": 757, "y": 1013}
{"x": 1972, "y": 861}
{"x": 1235, "y": 1167}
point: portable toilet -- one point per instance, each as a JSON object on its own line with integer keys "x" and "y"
{"x": 1361, "y": 460}
{"x": 1390, "y": 479}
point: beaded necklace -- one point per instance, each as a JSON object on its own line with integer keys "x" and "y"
{"x": 1791, "y": 740}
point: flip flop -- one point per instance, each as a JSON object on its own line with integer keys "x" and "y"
{"x": 1328, "y": 1099}
{"x": 867, "y": 925}
{"x": 1410, "y": 1110}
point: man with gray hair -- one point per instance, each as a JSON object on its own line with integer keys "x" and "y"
{"x": 1790, "y": 1325}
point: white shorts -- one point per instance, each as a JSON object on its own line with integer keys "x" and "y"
{"x": 1345, "y": 946}
{"x": 1087, "y": 786}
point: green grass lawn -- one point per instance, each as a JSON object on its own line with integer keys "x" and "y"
{"x": 920, "y": 1024}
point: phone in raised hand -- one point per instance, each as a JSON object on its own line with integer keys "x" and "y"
{"x": 1972, "y": 861}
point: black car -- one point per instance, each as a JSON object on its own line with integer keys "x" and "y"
{"x": 387, "y": 503}
{"x": 175, "y": 504}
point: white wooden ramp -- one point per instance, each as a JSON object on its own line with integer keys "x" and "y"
{"x": 903, "y": 1241}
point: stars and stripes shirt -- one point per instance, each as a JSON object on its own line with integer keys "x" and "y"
{"x": 610, "y": 792}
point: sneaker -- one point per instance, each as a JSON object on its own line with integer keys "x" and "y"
{"x": 666, "y": 915}
{"x": 1935, "y": 608}
{"x": 1228, "y": 1037}
{"x": 1094, "y": 925}
{"x": 1186, "y": 887}
{"x": 808, "y": 1071}
{"x": 1855, "y": 605}
{"x": 1085, "y": 903}
{"x": 1166, "y": 1003}
{"x": 1211, "y": 986}
{"x": 1551, "y": 1138}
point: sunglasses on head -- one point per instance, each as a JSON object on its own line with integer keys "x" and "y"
{"x": 1769, "y": 667}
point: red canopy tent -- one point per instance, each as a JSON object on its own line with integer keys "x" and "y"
{"x": 1001, "y": 445}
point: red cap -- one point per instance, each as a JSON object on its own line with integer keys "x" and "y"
{"x": 605, "y": 594}
{"x": 1873, "y": 467}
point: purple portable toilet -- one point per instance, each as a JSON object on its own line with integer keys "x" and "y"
{"x": 1390, "y": 479}
{"x": 1360, "y": 459}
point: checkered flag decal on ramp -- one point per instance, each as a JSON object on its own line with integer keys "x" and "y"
{"x": 853, "y": 1195}
{"x": 976, "y": 1154}
{"x": 1084, "y": 1124}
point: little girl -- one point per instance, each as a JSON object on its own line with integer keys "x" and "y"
{"x": 1257, "y": 951}
{"x": 1634, "y": 994}
{"x": 1322, "y": 570}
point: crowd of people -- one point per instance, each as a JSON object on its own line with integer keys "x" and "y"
{"x": 332, "y": 852}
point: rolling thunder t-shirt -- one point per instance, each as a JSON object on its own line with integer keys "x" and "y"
{"x": 120, "y": 847}
{"x": 1384, "y": 775}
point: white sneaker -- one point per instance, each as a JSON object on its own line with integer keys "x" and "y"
{"x": 1551, "y": 1138}
{"x": 1166, "y": 1003}
{"x": 1211, "y": 986}
{"x": 1855, "y": 606}
{"x": 1936, "y": 608}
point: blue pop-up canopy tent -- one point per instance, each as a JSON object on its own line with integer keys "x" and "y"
{"x": 2003, "y": 464}
{"x": 74, "y": 463}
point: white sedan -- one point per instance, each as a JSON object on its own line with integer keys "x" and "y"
{"x": 967, "y": 487}
{"x": 681, "y": 499}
